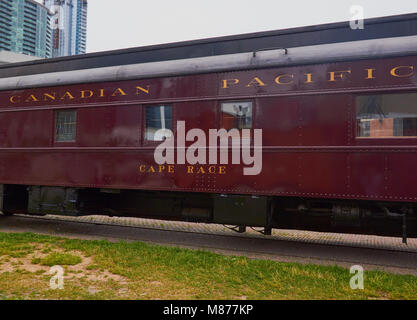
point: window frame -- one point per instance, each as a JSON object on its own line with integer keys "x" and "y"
{"x": 54, "y": 128}
{"x": 145, "y": 141}
{"x": 219, "y": 116}
{"x": 220, "y": 111}
{"x": 395, "y": 140}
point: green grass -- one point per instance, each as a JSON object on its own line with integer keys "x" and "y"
{"x": 105, "y": 270}
{"x": 62, "y": 259}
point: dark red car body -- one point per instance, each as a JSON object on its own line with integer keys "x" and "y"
{"x": 309, "y": 133}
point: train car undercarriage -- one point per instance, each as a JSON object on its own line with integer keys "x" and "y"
{"x": 239, "y": 211}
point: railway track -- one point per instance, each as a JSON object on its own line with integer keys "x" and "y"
{"x": 381, "y": 253}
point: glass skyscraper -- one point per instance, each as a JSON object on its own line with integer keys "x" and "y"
{"x": 25, "y": 27}
{"x": 69, "y": 26}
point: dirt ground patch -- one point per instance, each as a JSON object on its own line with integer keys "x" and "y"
{"x": 85, "y": 270}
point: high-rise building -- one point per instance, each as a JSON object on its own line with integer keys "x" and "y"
{"x": 69, "y": 26}
{"x": 25, "y": 27}
{"x": 79, "y": 41}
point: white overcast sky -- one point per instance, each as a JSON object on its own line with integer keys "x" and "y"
{"x": 117, "y": 24}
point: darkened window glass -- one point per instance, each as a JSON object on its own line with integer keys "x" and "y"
{"x": 237, "y": 115}
{"x": 66, "y": 126}
{"x": 387, "y": 116}
{"x": 158, "y": 123}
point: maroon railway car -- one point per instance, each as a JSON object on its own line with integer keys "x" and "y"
{"x": 338, "y": 144}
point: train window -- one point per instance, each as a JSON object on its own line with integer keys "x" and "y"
{"x": 65, "y": 126}
{"x": 387, "y": 116}
{"x": 158, "y": 123}
{"x": 237, "y": 115}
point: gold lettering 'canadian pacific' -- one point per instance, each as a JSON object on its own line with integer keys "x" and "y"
{"x": 280, "y": 80}
{"x": 207, "y": 151}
